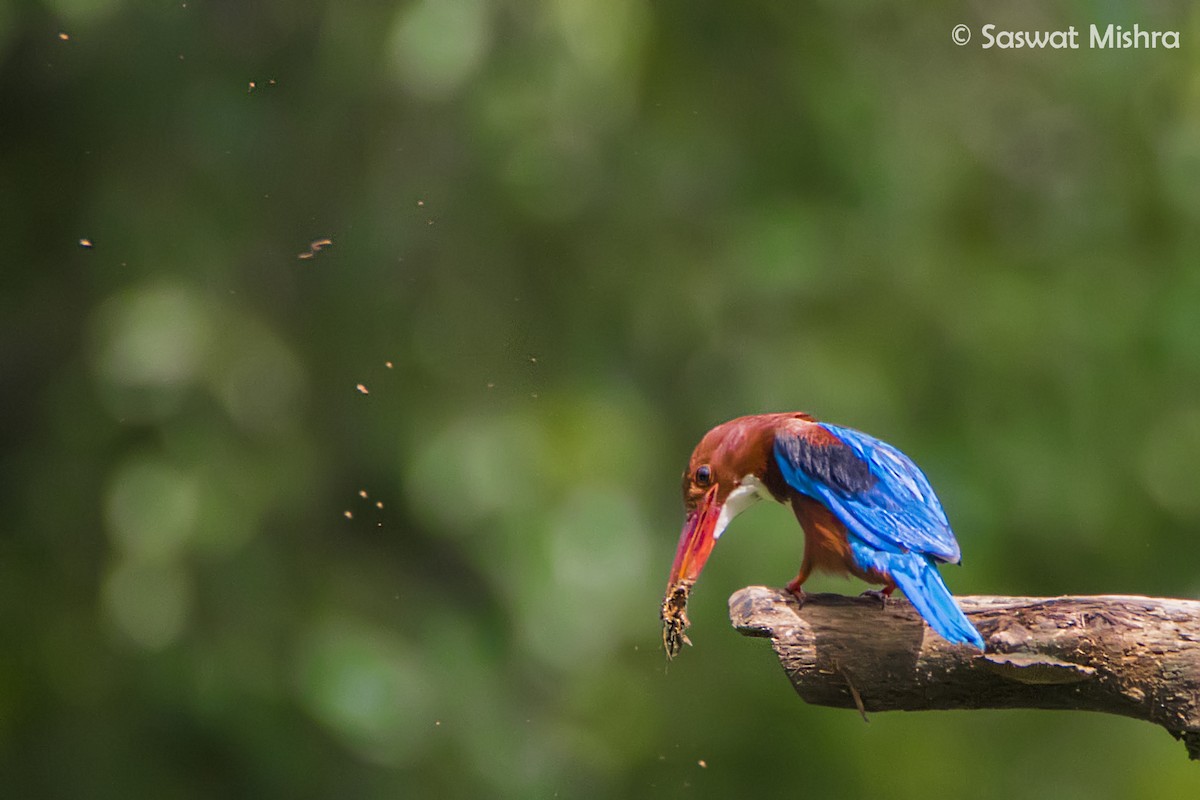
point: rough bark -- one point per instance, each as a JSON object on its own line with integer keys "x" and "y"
{"x": 1134, "y": 656}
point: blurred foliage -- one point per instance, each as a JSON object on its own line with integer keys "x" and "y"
{"x": 568, "y": 237}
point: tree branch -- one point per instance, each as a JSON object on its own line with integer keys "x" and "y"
{"x": 1134, "y": 656}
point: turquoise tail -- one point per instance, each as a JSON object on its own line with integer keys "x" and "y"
{"x": 924, "y": 588}
{"x": 922, "y": 584}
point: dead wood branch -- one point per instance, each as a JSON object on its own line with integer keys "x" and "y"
{"x": 1134, "y": 656}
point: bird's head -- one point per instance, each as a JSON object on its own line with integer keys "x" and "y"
{"x": 729, "y": 470}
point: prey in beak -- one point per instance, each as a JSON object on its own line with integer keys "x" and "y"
{"x": 695, "y": 544}
{"x": 711, "y": 505}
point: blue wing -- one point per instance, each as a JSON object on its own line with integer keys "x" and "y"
{"x": 877, "y": 492}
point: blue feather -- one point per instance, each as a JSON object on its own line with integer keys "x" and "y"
{"x": 921, "y": 583}
{"x": 894, "y": 521}
{"x": 898, "y": 512}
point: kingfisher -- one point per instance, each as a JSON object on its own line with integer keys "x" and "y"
{"x": 866, "y": 510}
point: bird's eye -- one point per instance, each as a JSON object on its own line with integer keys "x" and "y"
{"x": 703, "y": 475}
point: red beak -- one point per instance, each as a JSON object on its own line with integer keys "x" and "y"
{"x": 696, "y": 540}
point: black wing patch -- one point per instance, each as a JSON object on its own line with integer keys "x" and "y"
{"x": 828, "y": 460}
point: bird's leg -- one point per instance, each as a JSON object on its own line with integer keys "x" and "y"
{"x": 795, "y": 583}
{"x": 881, "y": 595}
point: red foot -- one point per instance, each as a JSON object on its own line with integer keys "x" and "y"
{"x": 797, "y": 592}
{"x": 881, "y": 595}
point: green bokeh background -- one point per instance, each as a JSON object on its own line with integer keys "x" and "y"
{"x": 569, "y": 236}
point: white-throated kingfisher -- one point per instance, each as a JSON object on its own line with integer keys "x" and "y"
{"x": 866, "y": 509}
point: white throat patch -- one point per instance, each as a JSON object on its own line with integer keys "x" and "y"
{"x": 748, "y": 492}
